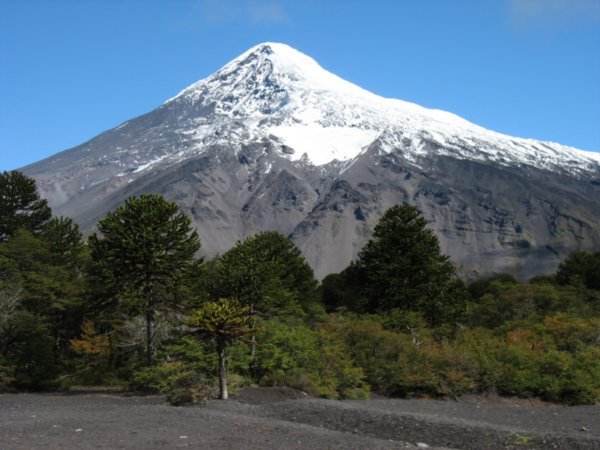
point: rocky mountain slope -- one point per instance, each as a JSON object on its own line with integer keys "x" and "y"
{"x": 274, "y": 141}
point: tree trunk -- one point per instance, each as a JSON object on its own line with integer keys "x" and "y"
{"x": 253, "y": 338}
{"x": 111, "y": 351}
{"x": 149, "y": 320}
{"x": 149, "y": 336}
{"x": 222, "y": 369}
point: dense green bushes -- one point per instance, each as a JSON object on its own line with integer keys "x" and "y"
{"x": 556, "y": 360}
{"x": 313, "y": 360}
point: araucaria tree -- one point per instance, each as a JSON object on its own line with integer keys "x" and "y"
{"x": 20, "y": 205}
{"x": 402, "y": 267}
{"x": 144, "y": 251}
{"x": 63, "y": 239}
{"x": 580, "y": 269}
{"x": 268, "y": 273}
{"x": 224, "y": 321}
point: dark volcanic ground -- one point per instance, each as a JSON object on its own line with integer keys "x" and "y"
{"x": 275, "y": 418}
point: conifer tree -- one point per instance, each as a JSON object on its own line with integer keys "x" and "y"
{"x": 142, "y": 256}
{"x": 402, "y": 267}
{"x": 226, "y": 321}
{"x": 63, "y": 239}
{"x": 268, "y": 273}
{"x": 580, "y": 268}
{"x": 20, "y": 205}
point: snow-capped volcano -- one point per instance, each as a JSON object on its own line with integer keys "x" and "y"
{"x": 275, "y": 90}
{"x": 274, "y": 141}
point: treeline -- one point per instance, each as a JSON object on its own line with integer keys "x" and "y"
{"x": 134, "y": 306}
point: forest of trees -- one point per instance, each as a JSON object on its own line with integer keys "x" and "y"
{"x": 134, "y": 306}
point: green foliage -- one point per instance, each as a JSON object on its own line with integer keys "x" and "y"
{"x": 408, "y": 322}
{"x": 580, "y": 269}
{"x": 36, "y": 312}
{"x": 500, "y": 302}
{"x": 10, "y": 297}
{"x": 92, "y": 349}
{"x": 181, "y": 385}
{"x": 20, "y": 205}
{"x": 196, "y": 354}
{"x": 143, "y": 258}
{"x": 503, "y": 302}
{"x": 314, "y": 361}
{"x": 225, "y": 321}
{"x": 541, "y": 337}
{"x": 159, "y": 378}
{"x": 64, "y": 240}
{"x": 556, "y": 359}
{"x": 199, "y": 366}
{"x": 488, "y": 285}
{"x": 570, "y": 333}
{"x": 51, "y": 290}
{"x": 393, "y": 328}
{"x": 519, "y": 439}
{"x": 268, "y": 272}
{"x": 144, "y": 247}
{"x": 337, "y": 293}
{"x": 185, "y": 371}
{"x": 523, "y": 361}
{"x": 27, "y": 350}
{"x": 402, "y": 267}
{"x": 403, "y": 364}
{"x": 6, "y": 378}
{"x": 283, "y": 352}
{"x": 340, "y": 375}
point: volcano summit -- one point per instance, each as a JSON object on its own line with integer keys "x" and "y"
{"x": 274, "y": 141}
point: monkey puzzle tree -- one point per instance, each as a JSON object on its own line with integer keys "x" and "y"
{"x": 63, "y": 239}
{"x": 580, "y": 268}
{"x": 224, "y": 321}
{"x": 268, "y": 273}
{"x": 20, "y": 205}
{"x": 402, "y": 267}
{"x": 142, "y": 257}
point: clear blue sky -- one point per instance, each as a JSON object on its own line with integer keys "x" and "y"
{"x": 70, "y": 69}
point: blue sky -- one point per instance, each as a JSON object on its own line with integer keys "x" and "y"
{"x": 70, "y": 69}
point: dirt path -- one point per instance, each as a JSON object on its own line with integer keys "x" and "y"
{"x": 267, "y": 418}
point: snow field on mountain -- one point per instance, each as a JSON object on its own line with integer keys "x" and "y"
{"x": 322, "y": 145}
{"x": 273, "y": 89}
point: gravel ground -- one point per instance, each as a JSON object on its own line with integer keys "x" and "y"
{"x": 281, "y": 418}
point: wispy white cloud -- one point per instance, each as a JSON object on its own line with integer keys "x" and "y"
{"x": 554, "y": 13}
{"x": 271, "y": 12}
{"x": 254, "y": 12}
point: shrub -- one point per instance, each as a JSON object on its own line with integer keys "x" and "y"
{"x": 158, "y": 378}
{"x": 191, "y": 390}
{"x": 175, "y": 379}
{"x": 92, "y": 349}
{"x": 314, "y": 361}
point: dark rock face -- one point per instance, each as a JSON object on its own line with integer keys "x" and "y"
{"x": 491, "y": 215}
{"x": 489, "y": 219}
